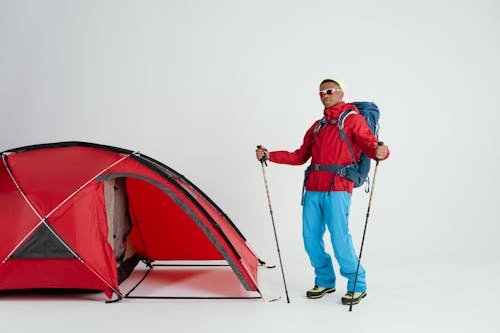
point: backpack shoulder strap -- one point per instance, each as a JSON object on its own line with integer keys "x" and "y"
{"x": 343, "y": 135}
{"x": 343, "y": 116}
{"x": 318, "y": 126}
{"x": 322, "y": 123}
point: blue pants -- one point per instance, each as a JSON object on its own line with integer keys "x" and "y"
{"x": 330, "y": 209}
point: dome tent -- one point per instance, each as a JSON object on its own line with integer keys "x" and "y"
{"x": 77, "y": 215}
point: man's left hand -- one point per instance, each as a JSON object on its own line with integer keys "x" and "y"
{"x": 381, "y": 151}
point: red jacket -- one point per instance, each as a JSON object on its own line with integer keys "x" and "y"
{"x": 326, "y": 148}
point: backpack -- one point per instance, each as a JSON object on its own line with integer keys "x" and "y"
{"x": 359, "y": 172}
{"x": 359, "y": 169}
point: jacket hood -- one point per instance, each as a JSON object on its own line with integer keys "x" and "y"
{"x": 333, "y": 112}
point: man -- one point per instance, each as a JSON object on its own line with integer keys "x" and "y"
{"x": 327, "y": 196}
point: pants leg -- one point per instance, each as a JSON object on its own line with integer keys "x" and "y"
{"x": 313, "y": 229}
{"x": 337, "y": 206}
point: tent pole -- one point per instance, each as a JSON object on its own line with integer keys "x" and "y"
{"x": 150, "y": 268}
{"x": 19, "y": 187}
{"x": 87, "y": 183}
{"x": 29, "y": 204}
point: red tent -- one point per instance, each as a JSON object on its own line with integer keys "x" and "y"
{"x": 80, "y": 216}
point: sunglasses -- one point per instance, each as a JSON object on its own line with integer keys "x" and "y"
{"x": 328, "y": 91}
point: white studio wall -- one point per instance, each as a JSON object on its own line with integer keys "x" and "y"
{"x": 197, "y": 84}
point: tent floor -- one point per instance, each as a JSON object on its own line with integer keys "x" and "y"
{"x": 174, "y": 279}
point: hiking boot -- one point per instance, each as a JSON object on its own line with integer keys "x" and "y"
{"x": 347, "y": 298}
{"x": 318, "y": 292}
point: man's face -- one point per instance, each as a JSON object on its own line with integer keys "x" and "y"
{"x": 330, "y": 94}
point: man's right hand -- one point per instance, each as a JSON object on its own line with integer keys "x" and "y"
{"x": 261, "y": 152}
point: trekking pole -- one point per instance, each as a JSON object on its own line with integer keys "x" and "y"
{"x": 380, "y": 143}
{"x": 262, "y": 163}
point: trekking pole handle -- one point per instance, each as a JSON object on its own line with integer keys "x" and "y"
{"x": 380, "y": 143}
{"x": 263, "y": 159}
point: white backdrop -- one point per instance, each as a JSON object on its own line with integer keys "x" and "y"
{"x": 197, "y": 84}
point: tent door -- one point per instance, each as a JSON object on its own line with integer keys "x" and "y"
{"x": 119, "y": 226}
